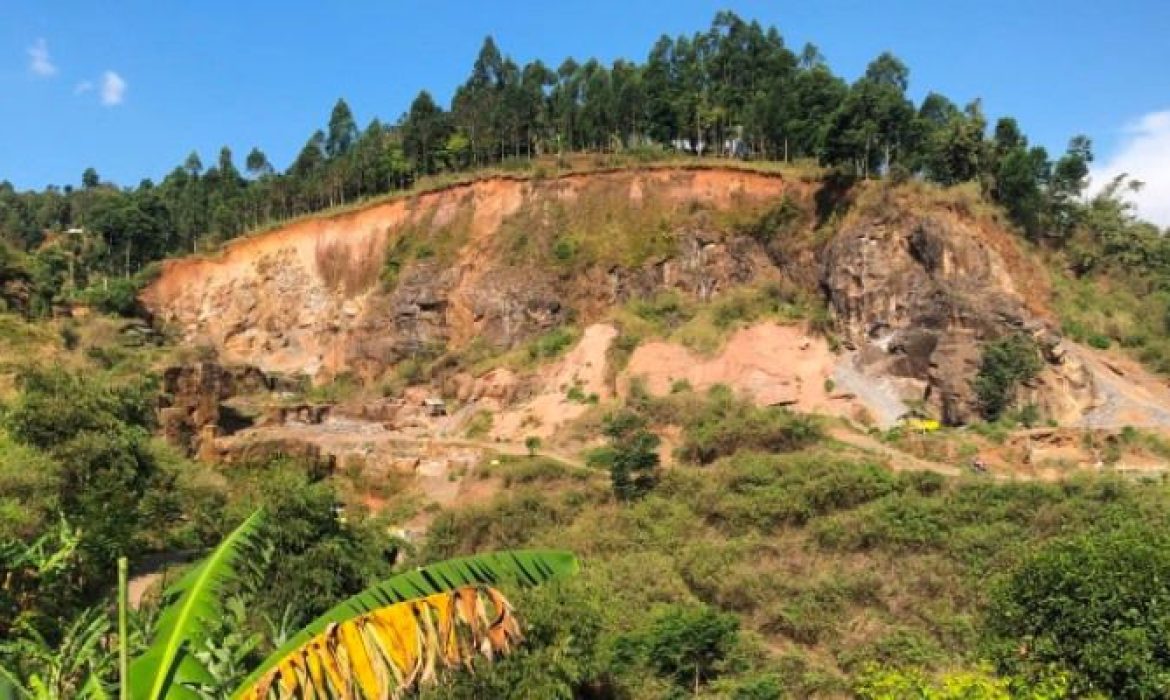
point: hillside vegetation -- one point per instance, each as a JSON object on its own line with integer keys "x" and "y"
{"x": 728, "y": 549}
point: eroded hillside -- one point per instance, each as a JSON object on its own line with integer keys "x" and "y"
{"x": 894, "y": 292}
{"x": 361, "y": 291}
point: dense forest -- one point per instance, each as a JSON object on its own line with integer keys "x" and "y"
{"x": 735, "y": 89}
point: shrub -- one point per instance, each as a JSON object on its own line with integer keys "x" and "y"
{"x": 551, "y": 344}
{"x": 727, "y": 424}
{"x": 479, "y": 425}
{"x": 1099, "y": 341}
{"x": 774, "y": 221}
{"x": 116, "y": 296}
{"x": 665, "y": 310}
{"x": 1096, "y": 604}
{"x": 1006, "y": 363}
{"x": 632, "y": 456}
{"x": 97, "y": 432}
{"x": 690, "y": 645}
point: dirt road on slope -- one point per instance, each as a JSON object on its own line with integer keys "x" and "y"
{"x": 897, "y": 460}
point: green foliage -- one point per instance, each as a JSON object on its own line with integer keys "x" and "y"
{"x": 73, "y": 668}
{"x": 725, "y": 424}
{"x": 189, "y": 608}
{"x": 561, "y": 656}
{"x": 40, "y": 581}
{"x": 689, "y": 645}
{"x": 316, "y": 558}
{"x": 975, "y": 684}
{"x": 1095, "y": 604}
{"x": 55, "y": 406}
{"x": 29, "y": 488}
{"x": 775, "y": 221}
{"x": 838, "y": 561}
{"x": 532, "y": 444}
{"x": 116, "y": 296}
{"x": 1006, "y": 364}
{"x": 95, "y": 432}
{"x": 1099, "y": 341}
{"x": 479, "y": 425}
{"x": 632, "y": 455}
{"x": 552, "y": 344}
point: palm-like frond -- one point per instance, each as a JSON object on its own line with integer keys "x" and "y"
{"x": 73, "y": 669}
{"x": 383, "y": 653}
{"x": 435, "y": 588}
{"x": 169, "y": 667}
{"x": 10, "y": 686}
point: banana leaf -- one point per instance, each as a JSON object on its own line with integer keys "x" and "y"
{"x": 168, "y": 667}
{"x": 525, "y": 568}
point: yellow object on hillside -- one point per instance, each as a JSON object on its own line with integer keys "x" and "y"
{"x": 926, "y": 425}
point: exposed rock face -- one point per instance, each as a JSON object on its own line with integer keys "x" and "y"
{"x": 193, "y": 397}
{"x": 920, "y": 295}
{"x": 916, "y": 294}
{"x": 307, "y": 298}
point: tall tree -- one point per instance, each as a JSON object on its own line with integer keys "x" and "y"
{"x": 424, "y": 132}
{"x": 343, "y": 131}
{"x": 257, "y": 163}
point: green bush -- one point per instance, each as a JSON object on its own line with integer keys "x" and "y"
{"x": 479, "y": 425}
{"x": 97, "y": 432}
{"x": 632, "y": 455}
{"x": 551, "y": 344}
{"x": 1095, "y": 604}
{"x": 1006, "y": 364}
{"x": 689, "y": 645}
{"x": 774, "y": 221}
{"x": 665, "y": 311}
{"x": 764, "y": 491}
{"x": 1099, "y": 341}
{"x": 726, "y": 424}
{"x": 117, "y": 296}
{"x": 317, "y": 558}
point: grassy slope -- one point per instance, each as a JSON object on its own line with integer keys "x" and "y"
{"x": 830, "y": 562}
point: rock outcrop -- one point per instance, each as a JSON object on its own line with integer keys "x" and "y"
{"x": 916, "y": 290}
{"x": 307, "y": 297}
{"x": 193, "y": 410}
{"x": 919, "y": 296}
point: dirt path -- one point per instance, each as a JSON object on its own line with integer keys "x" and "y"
{"x": 898, "y": 460}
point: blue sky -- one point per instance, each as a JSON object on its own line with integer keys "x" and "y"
{"x": 131, "y": 87}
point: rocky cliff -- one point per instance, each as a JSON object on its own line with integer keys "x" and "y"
{"x": 313, "y": 297}
{"x": 919, "y": 293}
{"x": 915, "y": 289}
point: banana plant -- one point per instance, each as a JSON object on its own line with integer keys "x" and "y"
{"x": 377, "y": 644}
{"x": 169, "y": 668}
{"x": 70, "y": 670}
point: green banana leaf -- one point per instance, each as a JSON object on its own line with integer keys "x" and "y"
{"x": 94, "y": 690}
{"x": 523, "y": 567}
{"x": 169, "y": 665}
{"x": 10, "y": 687}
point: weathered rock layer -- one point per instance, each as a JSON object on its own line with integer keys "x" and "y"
{"x": 915, "y": 293}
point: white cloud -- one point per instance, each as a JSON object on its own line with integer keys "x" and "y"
{"x": 113, "y": 88}
{"x": 1144, "y": 154}
{"x": 83, "y": 87}
{"x": 39, "y": 61}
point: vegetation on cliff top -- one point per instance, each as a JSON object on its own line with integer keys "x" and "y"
{"x": 734, "y": 89}
{"x": 782, "y": 562}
